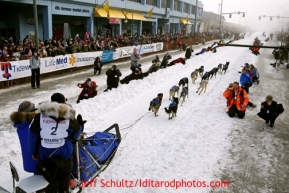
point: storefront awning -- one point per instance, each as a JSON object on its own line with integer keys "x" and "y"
{"x": 100, "y": 12}
{"x": 134, "y": 16}
{"x": 184, "y": 21}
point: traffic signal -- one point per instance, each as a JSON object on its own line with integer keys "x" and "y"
{"x": 271, "y": 18}
{"x": 230, "y": 15}
{"x": 243, "y": 14}
{"x": 259, "y": 17}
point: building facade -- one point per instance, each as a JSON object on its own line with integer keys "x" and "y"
{"x": 61, "y": 18}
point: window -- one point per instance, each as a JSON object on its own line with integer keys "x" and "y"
{"x": 193, "y": 11}
{"x": 137, "y": 1}
{"x": 151, "y": 2}
{"x": 186, "y": 8}
{"x": 176, "y": 5}
{"x": 165, "y": 3}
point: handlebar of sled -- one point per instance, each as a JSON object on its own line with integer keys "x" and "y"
{"x": 116, "y": 130}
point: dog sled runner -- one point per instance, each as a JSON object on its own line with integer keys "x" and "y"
{"x": 91, "y": 156}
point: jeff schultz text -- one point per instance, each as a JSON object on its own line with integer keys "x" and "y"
{"x": 148, "y": 183}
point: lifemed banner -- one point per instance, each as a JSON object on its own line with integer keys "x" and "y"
{"x": 19, "y": 69}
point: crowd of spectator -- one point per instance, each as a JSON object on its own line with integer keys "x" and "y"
{"x": 11, "y": 50}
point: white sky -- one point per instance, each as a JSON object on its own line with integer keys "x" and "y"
{"x": 253, "y": 9}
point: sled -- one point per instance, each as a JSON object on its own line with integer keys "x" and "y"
{"x": 91, "y": 156}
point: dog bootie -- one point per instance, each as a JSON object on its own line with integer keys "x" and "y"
{"x": 150, "y": 109}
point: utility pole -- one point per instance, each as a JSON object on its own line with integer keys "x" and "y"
{"x": 36, "y": 25}
{"x": 196, "y": 17}
{"x": 220, "y": 20}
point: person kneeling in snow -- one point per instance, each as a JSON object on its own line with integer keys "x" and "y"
{"x": 133, "y": 76}
{"x": 179, "y": 60}
{"x": 89, "y": 90}
{"x": 237, "y": 100}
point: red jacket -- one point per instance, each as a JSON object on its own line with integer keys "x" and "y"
{"x": 240, "y": 100}
{"x": 179, "y": 60}
{"x": 91, "y": 91}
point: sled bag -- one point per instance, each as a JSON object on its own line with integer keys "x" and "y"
{"x": 101, "y": 145}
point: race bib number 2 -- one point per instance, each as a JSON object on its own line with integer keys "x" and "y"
{"x": 53, "y": 135}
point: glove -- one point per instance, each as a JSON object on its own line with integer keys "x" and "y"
{"x": 80, "y": 121}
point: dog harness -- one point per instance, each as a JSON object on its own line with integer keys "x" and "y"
{"x": 174, "y": 88}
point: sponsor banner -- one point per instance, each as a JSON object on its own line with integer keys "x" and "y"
{"x": 123, "y": 52}
{"x": 14, "y": 69}
{"x": 147, "y": 48}
{"x": 20, "y": 69}
{"x": 159, "y": 46}
{"x": 87, "y": 58}
{"x": 56, "y": 63}
{"x": 107, "y": 56}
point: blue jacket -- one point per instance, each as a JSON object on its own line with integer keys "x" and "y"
{"x": 214, "y": 69}
{"x": 202, "y": 51}
{"x": 185, "y": 79}
{"x": 255, "y": 73}
{"x": 57, "y": 111}
{"x": 174, "y": 88}
{"x": 244, "y": 78}
{"x": 185, "y": 90}
{"x": 173, "y": 104}
{"x": 156, "y": 100}
{"x": 22, "y": 131}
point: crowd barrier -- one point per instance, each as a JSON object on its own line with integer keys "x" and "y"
{"x": 12, "y": 70}
{"x": 19, "y": 71}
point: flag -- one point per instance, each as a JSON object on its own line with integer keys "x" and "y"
{"x": 187, "y": 20}
{"x": 106, "y": 8}
{"x": 150, "y": 13}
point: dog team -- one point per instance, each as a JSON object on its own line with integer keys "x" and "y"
{"x": 178, "y": 93}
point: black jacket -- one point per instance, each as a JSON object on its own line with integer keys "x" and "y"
{"x": 113, "y": 76}
{"x": 273, "y": 108}
{"x": 97, "y": 64}
{"x": 188, "y": 53}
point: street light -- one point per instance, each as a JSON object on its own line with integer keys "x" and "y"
{"x": 220, "y": 20}
{"x": 126, "y": 20}
{"x": 196, "y": 11}
{"x": 283, "y": 17}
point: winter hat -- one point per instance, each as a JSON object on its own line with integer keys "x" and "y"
{"x": 88, "y": 79}
{"x": 269, "y": 98}
{"x": 58, "y": 97}
{"x": 113, "y": 66}
{"x": 26, "y": 106}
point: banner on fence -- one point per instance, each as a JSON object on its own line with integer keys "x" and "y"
{"x": 13, "y": 70}
{"x": 87, "y": 58}
{"x": 20, "y": 69}
{"x": 107, "y": 56}
{"x": 56, "y": 63}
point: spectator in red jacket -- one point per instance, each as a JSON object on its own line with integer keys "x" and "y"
{"x": 89, "y": 90}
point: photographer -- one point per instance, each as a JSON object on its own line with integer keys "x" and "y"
{"x": 269, "y": 111}
{"x": 97, "y": 65}
{"x": 113, "y": 75}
